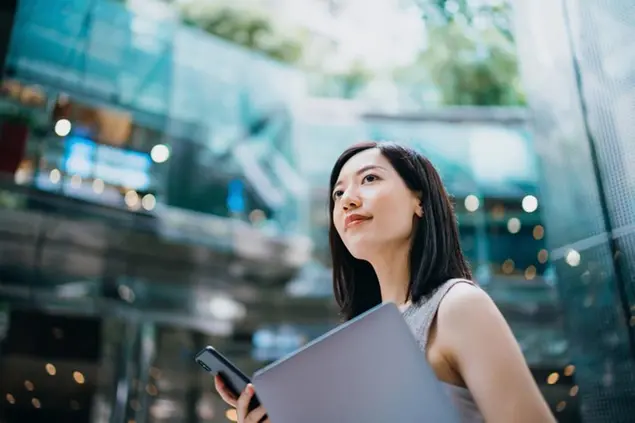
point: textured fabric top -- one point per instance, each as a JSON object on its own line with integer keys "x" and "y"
{"x": 420, "y": 317}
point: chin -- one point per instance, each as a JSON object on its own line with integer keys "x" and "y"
{"x": 359, "y": 251}
{"x": 359, "y": 256}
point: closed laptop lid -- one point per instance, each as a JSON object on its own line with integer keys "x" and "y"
{"x": 368, "y": 370}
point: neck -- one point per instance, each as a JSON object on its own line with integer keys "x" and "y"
{"x": 393, "y": 274}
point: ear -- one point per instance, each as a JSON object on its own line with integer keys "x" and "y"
{"x": 418, "y": 208}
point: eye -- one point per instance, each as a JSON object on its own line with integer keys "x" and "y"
{"x": 369, "y": 178}
{"x": 337, "y": 194}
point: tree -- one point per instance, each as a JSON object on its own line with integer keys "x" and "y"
{"x": 256, "y": 29}
{"x": 471, "y": 56}
{"x": 248, "y": 27}
{"x": 495, "y": 12}
{"x": 470, "y": 70}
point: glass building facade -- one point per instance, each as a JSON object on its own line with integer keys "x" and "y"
{"x": 145, "y": 79}
{"x": 579, "y": 75}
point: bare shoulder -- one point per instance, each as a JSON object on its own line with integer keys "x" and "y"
{"x": 466, "y": 305}
{"x": 467, "y": 316}
{"x": 464, "y": 293}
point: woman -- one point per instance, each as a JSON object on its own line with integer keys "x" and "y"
{"x": 394, "y": 237}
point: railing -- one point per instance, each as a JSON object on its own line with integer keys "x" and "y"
{"x": 65, "y": 255}
{"x": 181, "y": 230}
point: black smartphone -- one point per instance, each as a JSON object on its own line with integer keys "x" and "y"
{"x": 215, "y": 363}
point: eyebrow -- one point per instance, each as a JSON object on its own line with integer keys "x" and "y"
{"x": 360, "y": 171}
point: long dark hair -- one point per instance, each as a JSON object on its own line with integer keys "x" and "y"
{"x": 435, "y": 253}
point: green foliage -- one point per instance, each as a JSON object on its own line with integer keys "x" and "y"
{"x": 259, "y": 31}
{"x": 471, "y": 57}
{"x": 469, "y": 70}
{"x": 248, "y": 28}
{"x": 497, "y": 13}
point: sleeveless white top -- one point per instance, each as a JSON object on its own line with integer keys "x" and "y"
{"x": 419, "y": 318}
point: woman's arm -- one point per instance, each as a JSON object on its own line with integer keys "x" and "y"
{"x": 478, "y": 343}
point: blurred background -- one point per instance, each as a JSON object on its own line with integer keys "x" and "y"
{"x": 164, "y": 186}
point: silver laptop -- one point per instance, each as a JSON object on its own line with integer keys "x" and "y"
{"x": 369, "y": 370}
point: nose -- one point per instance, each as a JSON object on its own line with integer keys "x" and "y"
{"x": 350, "y": 200}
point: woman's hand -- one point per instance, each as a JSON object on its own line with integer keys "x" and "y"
{"x": 241, "y": 403}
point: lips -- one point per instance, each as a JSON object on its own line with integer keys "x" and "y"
{"x": 354, "y": 220}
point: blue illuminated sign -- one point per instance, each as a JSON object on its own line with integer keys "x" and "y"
{"x": 79, "y": 157}
{"x": 236, "y": 196}
{"x": 123, "y": 167}
{"x": 115, "y": 166}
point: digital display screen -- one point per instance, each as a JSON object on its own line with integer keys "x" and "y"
{"x": 113, "y": 165}
{"x": 123, "y": 167}
{"x": 79, "y": 157}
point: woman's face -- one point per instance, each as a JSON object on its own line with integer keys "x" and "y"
{"x": 373, "y": 208}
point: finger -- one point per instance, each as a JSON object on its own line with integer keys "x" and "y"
{"x": 224, "y": 393}
{"x": 242, "y": 405}
{"x": 256, "y": 415}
